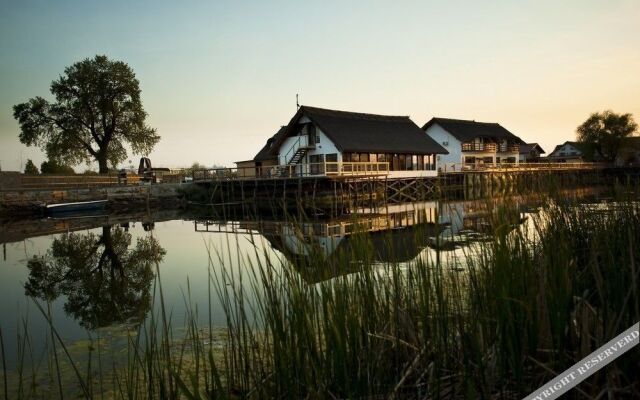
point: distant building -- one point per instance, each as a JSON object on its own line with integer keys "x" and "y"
{"x": 473, "y": 144}
{"x": 530, "y": 152}
{"x": 569, "y": 152}
{"x": 320, "y": 142}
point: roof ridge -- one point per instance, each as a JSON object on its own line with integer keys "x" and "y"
{"x": 352, "y": 113}
{"x": 469, "y": 121}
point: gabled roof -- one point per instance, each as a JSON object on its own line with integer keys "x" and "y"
{"x": 577, "y": 145}
{"x": 527, "y": 147}
{"x": 265, "y": 152}
{"x": 465, "y": 130}
{"x": 371, "y": 133}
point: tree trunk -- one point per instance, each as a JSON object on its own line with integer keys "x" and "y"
{"x": 103, "y": 164}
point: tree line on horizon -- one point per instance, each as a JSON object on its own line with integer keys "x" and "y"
{"x": 98, "y": 111}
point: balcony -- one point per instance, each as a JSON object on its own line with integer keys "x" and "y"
{"x": 480, "y": 147}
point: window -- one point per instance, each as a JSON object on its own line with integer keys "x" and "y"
{"x": 332, "y": 158}
{"x": 409, "y": 162}
{"x": 402, "y": 162}
{"x": 373, "y": 158}
{"x": 415, "y": 162}
{"x": 420, "y": 164}
{"x": 395, "y": 164}
{"x": 317, "y": 164}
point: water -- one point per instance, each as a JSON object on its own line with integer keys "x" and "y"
{"x": 99, "y": 273}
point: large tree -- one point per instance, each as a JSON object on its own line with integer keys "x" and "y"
{"x": 603, "y": 133}
{"x": 97, "y": 111}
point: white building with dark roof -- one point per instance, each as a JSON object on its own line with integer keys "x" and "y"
{"x": 320, "y": 142}
{"x": 530, "y": 152}
{"x": 473, "y": 144}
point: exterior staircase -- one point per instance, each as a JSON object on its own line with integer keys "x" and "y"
{"x": 298, "y": 155}
{"x": 297, "y": 151}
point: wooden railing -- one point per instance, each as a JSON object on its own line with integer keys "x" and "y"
{"x": 330, "y": 168}
{"x": 539, "y": 166}
{"x": 485, "y": 147}
{"x": 87, "y": 181}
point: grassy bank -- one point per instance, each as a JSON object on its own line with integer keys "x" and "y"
{"x": 525, "y": 305}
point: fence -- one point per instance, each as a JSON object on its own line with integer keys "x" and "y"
{"x": 506, "y": 167}
{"x": 330, "y": 168}
{"x": 34, "y": 182}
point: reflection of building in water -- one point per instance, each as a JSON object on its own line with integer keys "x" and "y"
{"x": 321, "y": 250}
{"x": 464, "y": 222}
{"x": 394, "y": 237}
{"x": 299, "y": 238}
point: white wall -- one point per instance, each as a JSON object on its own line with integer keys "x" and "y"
{"x": 453, "y": 146}
{"x": 567, "y": 149}
{"x": 325, "y": 146}
{"x": 411, "y": 174}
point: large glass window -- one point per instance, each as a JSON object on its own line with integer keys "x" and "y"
{"x": 317, "y": 164}
{"x": 395, "y": 165}
{"x": 332, "y": 158}
{"x": 421, "y": 163}
{"x": 402, "y": 162}
{"x": 408, "y": 162}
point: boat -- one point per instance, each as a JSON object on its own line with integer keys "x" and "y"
{"x": 78, "y": 207}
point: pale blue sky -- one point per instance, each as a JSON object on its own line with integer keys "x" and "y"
{"x": 218, "y": 78}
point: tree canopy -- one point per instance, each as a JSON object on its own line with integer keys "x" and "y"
{"x": 603, "y": 134}
{"x": 30, "y": 168}
{"x": 97, "y": 112}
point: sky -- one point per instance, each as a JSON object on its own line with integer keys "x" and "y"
{"x": 220, "y": 77}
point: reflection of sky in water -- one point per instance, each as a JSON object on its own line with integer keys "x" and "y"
{"x": 428, "y": 230}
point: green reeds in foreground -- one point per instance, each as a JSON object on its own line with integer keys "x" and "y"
{"x": 527, "y": 304}
{"x": 531, "y": 302}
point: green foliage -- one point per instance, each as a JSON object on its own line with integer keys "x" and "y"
{"x": 30, "y": 168}
{"x": 103, "y": 281}
{"x": 520, "y": 306}
{"x": 54, "y": 167}
{"x": 602, "y": 134}
{"x": 97, "y": 111}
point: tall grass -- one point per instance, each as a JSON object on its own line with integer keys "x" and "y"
{"x": 527, "y": 304}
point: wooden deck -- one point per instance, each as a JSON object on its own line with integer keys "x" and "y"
{"x": 519, "y": 167}
{"x": 312, "y": 170}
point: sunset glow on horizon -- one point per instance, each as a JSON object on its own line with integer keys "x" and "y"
{"x": 219, "y": 78}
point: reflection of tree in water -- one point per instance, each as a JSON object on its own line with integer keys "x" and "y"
{"x": 104, "y": 281}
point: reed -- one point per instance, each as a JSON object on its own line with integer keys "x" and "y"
{"x": 496, "y": 323}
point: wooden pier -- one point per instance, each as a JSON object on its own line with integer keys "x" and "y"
{"x": 365, "y": 186}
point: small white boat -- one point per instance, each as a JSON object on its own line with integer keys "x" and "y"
{"x": 76, "y": 207}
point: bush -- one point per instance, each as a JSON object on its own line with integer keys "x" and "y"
{"x": 54, "y": 167}
{"x": 30, "y": 168}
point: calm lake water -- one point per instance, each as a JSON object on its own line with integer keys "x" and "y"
{"x": 99, "y": 273}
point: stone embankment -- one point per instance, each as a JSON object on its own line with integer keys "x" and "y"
{"x": 28, "y": 201}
